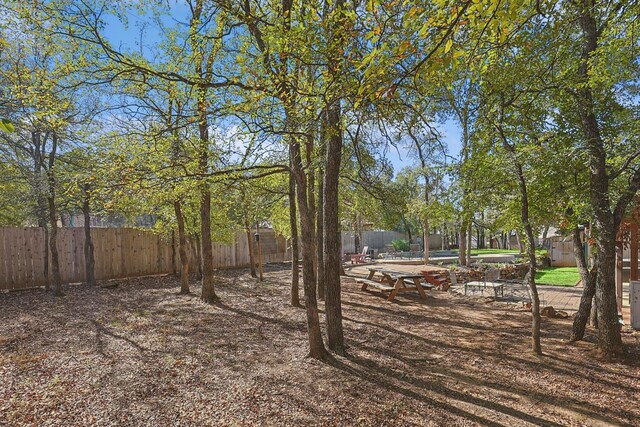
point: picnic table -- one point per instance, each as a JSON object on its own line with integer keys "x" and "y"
{"x": 393, "y": 282}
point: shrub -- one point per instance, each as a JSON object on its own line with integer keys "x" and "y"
{"x": 542, "y": 258}
{"x": 401, "y": 245}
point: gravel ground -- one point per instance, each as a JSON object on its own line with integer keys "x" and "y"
{"x": 140, "y": 354}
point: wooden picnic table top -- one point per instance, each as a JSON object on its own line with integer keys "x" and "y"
{"x": 396, "y": 274}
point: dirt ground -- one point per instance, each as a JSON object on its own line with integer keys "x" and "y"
{"x": 142, "y": 355}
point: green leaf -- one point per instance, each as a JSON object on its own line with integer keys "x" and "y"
{"x": 7, "y": 126}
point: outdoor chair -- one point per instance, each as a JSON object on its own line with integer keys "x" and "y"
{"x": 489, "y": 281}
{"x": 491, "y": 275}
{"x": 360, "y": 258}
{"x": 453, "y": 278}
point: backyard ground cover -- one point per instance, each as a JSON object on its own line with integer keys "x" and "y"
{"x": 492, "y": 251}
{"x": 140, "y": 354}
{"x": 558, "y": 276}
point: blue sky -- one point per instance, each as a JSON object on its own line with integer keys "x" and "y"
{"x": 451, "y": 136}
{"x": 130, "y": 38}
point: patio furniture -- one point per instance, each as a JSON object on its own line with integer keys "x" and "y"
{"x": 491, "y": 274}
{"x": 394, "y": 282}
{"x": 360, "y": 258}
{"x": 489, "y": 282}
{"x": 453, "y": 279}
{"x": 436, "y": 278}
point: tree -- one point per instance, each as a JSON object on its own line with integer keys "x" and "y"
{"x": 599, "y": 28}
{"x": 39, "y": 80}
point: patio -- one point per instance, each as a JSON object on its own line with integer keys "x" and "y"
{"x": 559, "y": 297}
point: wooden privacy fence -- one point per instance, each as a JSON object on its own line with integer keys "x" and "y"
{"x": 372, "y": 239}
{"x": 381, "y": 239}
{"x": 119, "y": 252}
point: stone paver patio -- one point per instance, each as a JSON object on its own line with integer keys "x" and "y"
{"x": 564, "y": 298}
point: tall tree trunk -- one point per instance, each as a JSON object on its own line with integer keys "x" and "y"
{"x": 208, "y": 289}
{"x": 252, "y": 257}
{"x": 425, "y": 224}
{"x": 295, "y": 251}
{"x": 530, "y": 278}
{"x": 311, "y": 198}
{"x": 43, "y": 216}
{"x": 588, "y": 289}
{"x": 203, "y": 62}
{"x": 53, "y": 220}
{"x": 259, "y": 252}
{"x": 206, "y": 245}
{"x": 183, "y": 244}
{"x": 53, "y": 246}
{"x": 609, "y": 338}
{"x": 425, "y": 221}
{"x": 531, "y": 275}
{"x": 604, "y": 224}
{"x": 520, "y": 244}
{"x": 183, "y": 249}
{"x": 469, "y": 241}
{"x": 462, "y": 245}
{"x": 444, "y": 240}
{"x": 332, "y": 260}
{"x": 465, "y": 228}
{"x": 482, "y": 232}
{"x": 306, "y": 213}
{"x": 198, "y": 249}
{"x": 307, "y": 231}
{"x": 320, "y": 235}
{"x": 594, "y": 313}
{"x": 89, "y": 261}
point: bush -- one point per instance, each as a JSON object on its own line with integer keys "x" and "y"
{"x": 542, "y": 258}
{"x": 401, "y": 245}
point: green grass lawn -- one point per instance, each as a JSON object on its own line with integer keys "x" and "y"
{"x": 492, "y": 251}
{"x": 558, "y": 276}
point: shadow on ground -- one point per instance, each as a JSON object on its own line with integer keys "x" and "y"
{"x": 141, "y": 354}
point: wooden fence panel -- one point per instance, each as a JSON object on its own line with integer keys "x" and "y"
{"x": 17, "y": 255}
{"x": 119, "y": 252}
{"x": 21, "y": 260}
{"x": 37, "y": 256}
{"x": 3, "y": 260}
{"x": 373, "y": 239}
{"x": 10, "y": 257}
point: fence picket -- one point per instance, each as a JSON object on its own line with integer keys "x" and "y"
{"x": 119, "y": 252}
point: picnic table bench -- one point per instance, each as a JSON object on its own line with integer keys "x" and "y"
{"x": 393, "y": 282}
{"x": 379, "y": 285}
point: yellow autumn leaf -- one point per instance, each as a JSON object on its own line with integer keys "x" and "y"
{"x": 447, "y": 46}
